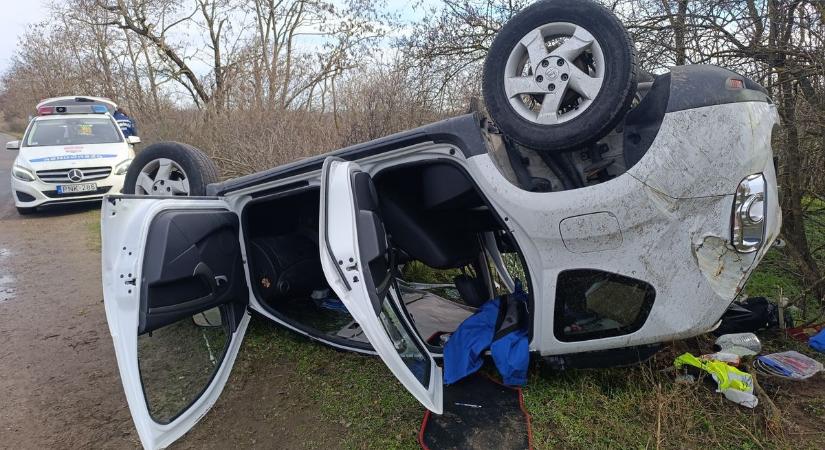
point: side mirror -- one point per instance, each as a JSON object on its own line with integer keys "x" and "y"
{"x": 132, "y": 140}
{"x": 13, "y": 145}
{"x": 208, "y": 318}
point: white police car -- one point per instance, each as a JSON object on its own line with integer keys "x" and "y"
{"x": 73, "y": 151}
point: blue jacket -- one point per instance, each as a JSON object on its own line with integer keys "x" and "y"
{"x": 463, "y": 352}
{"x": 126, "y": 124}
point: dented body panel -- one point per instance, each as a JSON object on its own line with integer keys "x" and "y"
{"x": 702, "y": 152}
{"x": 673, "y": 210}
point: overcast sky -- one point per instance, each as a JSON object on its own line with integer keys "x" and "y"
{"x": 16, "y": 16}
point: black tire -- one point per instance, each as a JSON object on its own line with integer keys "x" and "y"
{"x": 609, "y": 106}
{"x": 200, "y": 170}
{"x": 25, "y": 211}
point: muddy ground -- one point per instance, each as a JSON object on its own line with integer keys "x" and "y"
{"x": 59, "y": 382}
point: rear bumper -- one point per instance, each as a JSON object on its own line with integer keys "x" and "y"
{"x": 35, "y": 194}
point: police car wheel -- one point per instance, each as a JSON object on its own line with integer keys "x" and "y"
{"x": 560, "y": 75}
{"x": 170, "y": 169}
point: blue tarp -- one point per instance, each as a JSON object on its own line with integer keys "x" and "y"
{"x": 817, "y": 341}
{"x": 463, "y": 352}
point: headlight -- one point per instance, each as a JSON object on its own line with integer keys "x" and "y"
{"x": 748, "y": 228}
{"x": 121, "y": 168}
{"x": 21, "y": 173}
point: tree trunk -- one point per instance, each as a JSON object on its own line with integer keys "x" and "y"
{"x": 793, "y": 189}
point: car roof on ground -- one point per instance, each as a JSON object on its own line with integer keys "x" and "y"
{"x": 463, "y": 132}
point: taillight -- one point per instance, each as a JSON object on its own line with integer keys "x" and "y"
{"x": 748, "y": 227}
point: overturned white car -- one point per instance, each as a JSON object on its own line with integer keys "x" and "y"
{"x": 632, "y": 213}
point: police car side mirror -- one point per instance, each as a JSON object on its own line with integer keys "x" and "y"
{"x": 13, "y": 145}
{"x": 133, "y": 140}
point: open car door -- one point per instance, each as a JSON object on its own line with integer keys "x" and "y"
{"x": 176, "y": 301}
{"x": 359, "y": 265}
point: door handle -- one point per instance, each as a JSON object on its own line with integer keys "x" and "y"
{"x": 202, "y": 270}
{"x": 214, "y": 281}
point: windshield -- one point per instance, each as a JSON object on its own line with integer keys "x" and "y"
{"x": 73, "y": 131}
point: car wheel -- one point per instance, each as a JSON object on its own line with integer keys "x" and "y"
{"x": 170, "y": 169}
{"x": 560, "y": 75}
{"x": 25, "y": 211}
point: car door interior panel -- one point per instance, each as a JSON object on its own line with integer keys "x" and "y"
{"x": 192, "y": 263}
{"x": 349, "y": 212}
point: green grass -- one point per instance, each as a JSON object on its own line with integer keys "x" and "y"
{"x": 776, "y": 276}
{"x": 357, "y": 392}
{"x": 416, "y": 271}
{"x": 635, "y": 407}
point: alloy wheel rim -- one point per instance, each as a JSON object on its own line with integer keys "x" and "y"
{"x": 162, "y": 177}
{"x": 554, "y": 73}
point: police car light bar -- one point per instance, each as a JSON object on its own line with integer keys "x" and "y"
{"x": 71, "y": 109}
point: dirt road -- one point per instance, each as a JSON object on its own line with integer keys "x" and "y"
{"x": 57, "y": 368}
{"x": 59, "y": 384}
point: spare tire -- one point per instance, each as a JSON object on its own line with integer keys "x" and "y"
{"x": 170, "y": 169}
{"x": 560, "y": 75}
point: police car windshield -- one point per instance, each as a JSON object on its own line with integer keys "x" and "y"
{"x": 73, "y": 131}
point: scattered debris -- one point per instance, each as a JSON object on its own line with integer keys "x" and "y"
{"x": 805, "y": 332}
{"x": 791, "y": 365}
{"x": 749, "y": 315}
{"x": 741, "y": 344}
{"x": 730, "y": 358}
{"x": 817, "y": 342}
{"x": 735, "y": 385}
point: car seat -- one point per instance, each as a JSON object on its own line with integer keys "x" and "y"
{"x": 285, "y": 266}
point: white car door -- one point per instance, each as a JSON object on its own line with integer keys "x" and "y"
{"x": 359, "y": 266}
{"x": 176, "y": 299}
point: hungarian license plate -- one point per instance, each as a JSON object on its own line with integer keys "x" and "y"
{"x": 77, "y": 188}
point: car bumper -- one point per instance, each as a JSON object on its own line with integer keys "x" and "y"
{"x": 34, "y": 194}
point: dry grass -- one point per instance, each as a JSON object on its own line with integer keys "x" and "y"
{"x": 244, "y": 141}
{"x": 643, "y": 407}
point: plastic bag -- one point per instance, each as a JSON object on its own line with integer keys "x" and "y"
{"x": 742, "y": 344}
{"x": 790, "y": 364}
